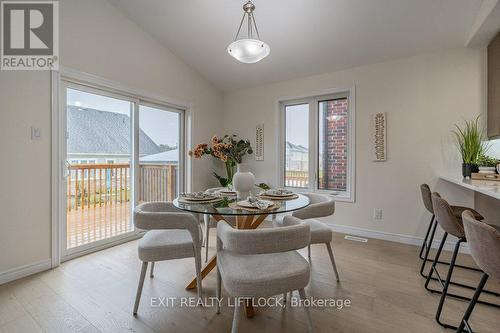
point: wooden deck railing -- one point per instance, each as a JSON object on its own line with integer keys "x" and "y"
{"x": 157, "y": 182}
{"x": 296, "y": 178}
{"x": 95, "y": 185}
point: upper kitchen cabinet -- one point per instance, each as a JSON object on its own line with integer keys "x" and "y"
{"x": 494, "y": 88}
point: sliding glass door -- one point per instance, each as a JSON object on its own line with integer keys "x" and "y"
{"x": 119, "y": 151}
{"x": 159, "y": 155}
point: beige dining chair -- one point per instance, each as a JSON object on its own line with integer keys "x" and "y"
{"x": 172, "y": 234}
{"x": 261, "y": 263}
{"x": 321, "y": 205}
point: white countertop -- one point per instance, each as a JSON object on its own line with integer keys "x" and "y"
{"x": 487, "y": 187}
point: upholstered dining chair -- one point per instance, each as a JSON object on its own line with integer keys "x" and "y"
{"x": 321, "y": 205}
{"x": 484, "y": 245}
{"x": 172, "y": 234}
{"x": 207, "y": 219}
{"x": 261, "y": 263}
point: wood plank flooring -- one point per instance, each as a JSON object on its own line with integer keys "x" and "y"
{"x": 95, "y": 293}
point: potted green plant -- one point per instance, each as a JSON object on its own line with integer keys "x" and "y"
{"x": 487, "y": 164}
{"x": 470, "y": 141}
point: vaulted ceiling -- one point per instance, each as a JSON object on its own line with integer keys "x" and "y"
{"x": 306, "y": 36}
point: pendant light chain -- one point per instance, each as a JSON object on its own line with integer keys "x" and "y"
{"x": 251, "y": 24}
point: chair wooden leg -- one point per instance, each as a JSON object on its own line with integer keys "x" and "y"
{"x": 285, "y": 297}
{"x": 207, "y": 234}
{"x": 236, "y": 317}
{"x": 218, "y": 291}
{"x": 303, "y": 297}
{"x": 151, "y": 270}
{"x": 332, "y": 259}
{"x": 139, "y": 287}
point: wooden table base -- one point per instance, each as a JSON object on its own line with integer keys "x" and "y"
{"x": 242, "y": 222}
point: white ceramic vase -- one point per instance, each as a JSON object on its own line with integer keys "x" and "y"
{"x": 243, "y": 181}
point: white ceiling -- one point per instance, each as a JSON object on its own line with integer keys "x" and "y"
{"x": 306, "y": 36}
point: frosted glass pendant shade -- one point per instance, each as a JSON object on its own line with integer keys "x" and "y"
{"x": 248, "y": 51}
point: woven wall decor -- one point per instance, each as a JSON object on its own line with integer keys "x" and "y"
{"x": 379, "y": 136}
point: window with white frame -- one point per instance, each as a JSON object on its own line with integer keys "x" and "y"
{"x": 318, "y": 144}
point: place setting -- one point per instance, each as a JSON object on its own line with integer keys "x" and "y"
{"x": 278, "y": 194}
{"x": 199, "y": 197}
{"x": 255, "y": 204}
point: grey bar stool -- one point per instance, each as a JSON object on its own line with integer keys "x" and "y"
{"x": 431, "y": 230}
{"x": 451, "y": 225}
{"x": 484, "y": 245}
{"x": 172, "y": 234}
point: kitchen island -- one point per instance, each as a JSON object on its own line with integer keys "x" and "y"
{"x": 486, "y": 196}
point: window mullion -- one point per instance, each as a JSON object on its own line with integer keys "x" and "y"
{"x": 312, "y": 144}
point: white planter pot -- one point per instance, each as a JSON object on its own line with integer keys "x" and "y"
{"x": 243, "y": 181}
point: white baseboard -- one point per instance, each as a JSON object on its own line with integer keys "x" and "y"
{"x": 398, "y": 238}
{"x": 23, "y": 271}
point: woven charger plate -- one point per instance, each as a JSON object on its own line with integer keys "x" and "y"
{"x": 270, "y": 197}
{"x": 184, "y": 200}
{"x": 234, "y": 205}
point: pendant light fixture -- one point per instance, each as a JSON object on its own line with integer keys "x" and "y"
{"x": 248, "y": 50}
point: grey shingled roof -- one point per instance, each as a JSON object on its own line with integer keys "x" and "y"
{"x": 293, "y": 146}
{"x": 102, "y": 132}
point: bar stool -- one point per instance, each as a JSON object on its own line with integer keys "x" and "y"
{"x": 484, "y": 245}
{"x": 431, "y": 230}
{"x": 451, "y": 225}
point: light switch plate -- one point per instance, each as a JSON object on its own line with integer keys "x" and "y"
{"x": 36, "y": 133}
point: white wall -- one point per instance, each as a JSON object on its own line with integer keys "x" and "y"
{"x": 95, "y": 38}
{"x": 423, "y": 97}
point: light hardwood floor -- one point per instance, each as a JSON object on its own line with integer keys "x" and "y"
{"x": 95, "y": 293}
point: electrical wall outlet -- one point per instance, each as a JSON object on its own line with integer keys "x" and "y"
{"x": 36, "y": 133}
{"x": 377, "y": 214}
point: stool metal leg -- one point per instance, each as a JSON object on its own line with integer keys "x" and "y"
{"x": 428, "y": 249}
{"x": 443, "y": 282}
{"x": 427, "y": 245}
{"x": 434, "y": 264}
{"x": 424, "y": 244}
{"x": 446, "y": 285}
{"x": 464, "y": 323}
{"x": 426, "y": 258}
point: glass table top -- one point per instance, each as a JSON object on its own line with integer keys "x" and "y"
{"x": 223, "y": 207}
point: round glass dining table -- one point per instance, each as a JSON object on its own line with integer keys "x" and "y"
{"x": 242, "y": 219}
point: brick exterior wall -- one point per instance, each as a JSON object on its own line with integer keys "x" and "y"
{"x": 333, "y": 162}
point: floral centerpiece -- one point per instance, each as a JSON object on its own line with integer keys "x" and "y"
{"x": 229, "y": 149}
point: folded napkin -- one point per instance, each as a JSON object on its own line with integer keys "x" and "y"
{"x": 278, "y": 192}
{"x": 259, "y": 203}
{"x": 198, "y": 195}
